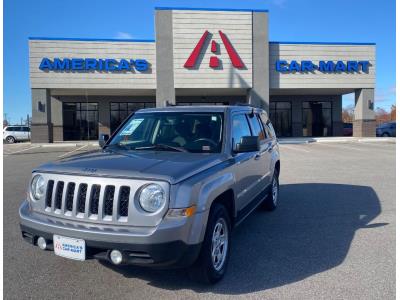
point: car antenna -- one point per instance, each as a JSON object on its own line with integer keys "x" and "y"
{"x": 252, "y": 112}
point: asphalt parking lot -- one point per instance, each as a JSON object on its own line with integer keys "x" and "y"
{"x": 332, "y": 237}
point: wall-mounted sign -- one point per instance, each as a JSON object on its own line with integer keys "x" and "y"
{"x": 93, "y": 64}
{"x": 214, "y": 60}
{"x": 329, "y": 66}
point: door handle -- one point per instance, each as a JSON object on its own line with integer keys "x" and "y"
{"x": 257, "y": 156}
{"x": 270, "y": 149}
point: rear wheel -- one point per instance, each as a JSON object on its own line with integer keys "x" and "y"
{"x": 271, "y": 201}
{"x": 10, "y": 140}
{"x": 212, "y": 262}
{"x": 385, "y": 134}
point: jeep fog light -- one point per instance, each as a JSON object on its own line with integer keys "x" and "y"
{"x": 152, "y": 198}
{"x": 182, "y": 212}
{"x": 116, "y": 257}
{"x": 41, "y": 242}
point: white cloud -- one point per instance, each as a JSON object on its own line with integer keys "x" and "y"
{"x": 123, "y": 35}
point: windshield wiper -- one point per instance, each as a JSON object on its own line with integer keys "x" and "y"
{"x": 162, "y": 147}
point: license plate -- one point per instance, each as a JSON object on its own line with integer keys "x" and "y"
{"x": 69, "y": 247}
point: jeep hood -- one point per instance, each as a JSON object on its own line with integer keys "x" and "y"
{"x": 162, "y": 165}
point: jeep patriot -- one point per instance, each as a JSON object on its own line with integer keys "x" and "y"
{"x": 165, "y": 190}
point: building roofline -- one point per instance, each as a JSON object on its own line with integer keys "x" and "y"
{"x": 212, "y": 9}
{"x": 89, "y": 39}
{"x": 323, "y": 43}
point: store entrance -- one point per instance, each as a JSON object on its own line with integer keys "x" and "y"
{"x": 317, "y": 118}
{"x": 80, "y": 121}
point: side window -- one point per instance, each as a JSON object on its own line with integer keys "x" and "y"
{"x": 256, "y": 127}
{"x": 11, "y": 129}
{"x": 240, "y": 127}
{"x": 267, "y": 126}
{"x": 27, "y": 129}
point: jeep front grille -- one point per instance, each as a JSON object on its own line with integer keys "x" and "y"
{"x": 82, "y": 197}
{"x": 100, "y": 201}
{"x": 92, "y": 201}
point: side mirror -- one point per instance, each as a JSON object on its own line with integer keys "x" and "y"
{"x": 103, "y": 139}
{"x": 247, "y": 144}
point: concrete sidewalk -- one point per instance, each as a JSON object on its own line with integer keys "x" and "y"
{"x": 339, "y": 139}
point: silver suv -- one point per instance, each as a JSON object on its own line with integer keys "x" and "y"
{"x": 12, "y": 134}
{"x": 165, "y": 190}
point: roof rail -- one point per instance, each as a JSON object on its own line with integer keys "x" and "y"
{"x": 243, "y": 104}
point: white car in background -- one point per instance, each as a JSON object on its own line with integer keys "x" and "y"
{"x": 12, "y": 134}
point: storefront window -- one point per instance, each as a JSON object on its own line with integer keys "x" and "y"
{"x": 280, "y": 114}
{"x": 317, "y": 118}
{"x": 119, "y": 111}
{"x": 201, "y": 103}
{"x": 80, "y": 121}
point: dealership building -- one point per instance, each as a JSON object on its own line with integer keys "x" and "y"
{"x": 84, "y": 87}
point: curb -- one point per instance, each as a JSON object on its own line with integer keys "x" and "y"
{"x": 336, "y": 140}
{"x": 68, "y": 145}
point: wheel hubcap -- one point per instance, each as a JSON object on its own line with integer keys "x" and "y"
{"x": 219, "y": 247}
{"x": 275, "y": 191}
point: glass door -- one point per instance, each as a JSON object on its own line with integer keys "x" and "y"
{"x": 317, "y": 118}
{"x": 80, "y": 121}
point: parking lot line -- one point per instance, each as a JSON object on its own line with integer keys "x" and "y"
{"x": 342, "y": 146}
{"x": 298, "y": 148}
{"x": 10, "y": 153}
{"x": 68, "y": 153}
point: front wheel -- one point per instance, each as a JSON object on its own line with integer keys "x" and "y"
{"x": 385, "y": 134}
{"x": 212, "y": 262}
{"x": 271, "y": 201}
{"x": 10, "y": 140}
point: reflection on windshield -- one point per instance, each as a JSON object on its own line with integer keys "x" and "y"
{"x": 178, "y": 131}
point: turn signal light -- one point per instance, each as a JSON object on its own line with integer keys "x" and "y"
{"x": 182, "y": 212}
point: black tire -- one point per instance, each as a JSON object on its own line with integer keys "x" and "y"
{"x": 385, "y": 134}
{"x": 10, "y": 139}
{"x": 203, "y": 270}
{"x": 270, "y": 203}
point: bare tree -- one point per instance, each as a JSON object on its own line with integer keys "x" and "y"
{"x": 348, "y": 114}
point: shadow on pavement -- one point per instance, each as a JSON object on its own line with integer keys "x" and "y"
{"x": 309, "y": 233}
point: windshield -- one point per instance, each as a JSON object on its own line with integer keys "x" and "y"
{"x": 177, "y": 131}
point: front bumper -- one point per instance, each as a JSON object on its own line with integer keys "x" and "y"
{"x": 171, "y": 243}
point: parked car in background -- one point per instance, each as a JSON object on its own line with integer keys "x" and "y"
{"x": 348, "y": 129}
{"x": 15, "y": 133}
{"x": 386, "y": 129}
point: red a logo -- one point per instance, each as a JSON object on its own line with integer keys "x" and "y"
{"x": 214, "y": 60}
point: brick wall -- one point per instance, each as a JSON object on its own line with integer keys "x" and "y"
{"x": 364, "y": 128}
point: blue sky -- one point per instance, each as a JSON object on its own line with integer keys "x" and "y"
{"x": 290, "y": 20}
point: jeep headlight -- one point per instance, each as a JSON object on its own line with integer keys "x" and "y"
{"x": 152, "y": 198}
{"x": 38, "y": 186}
